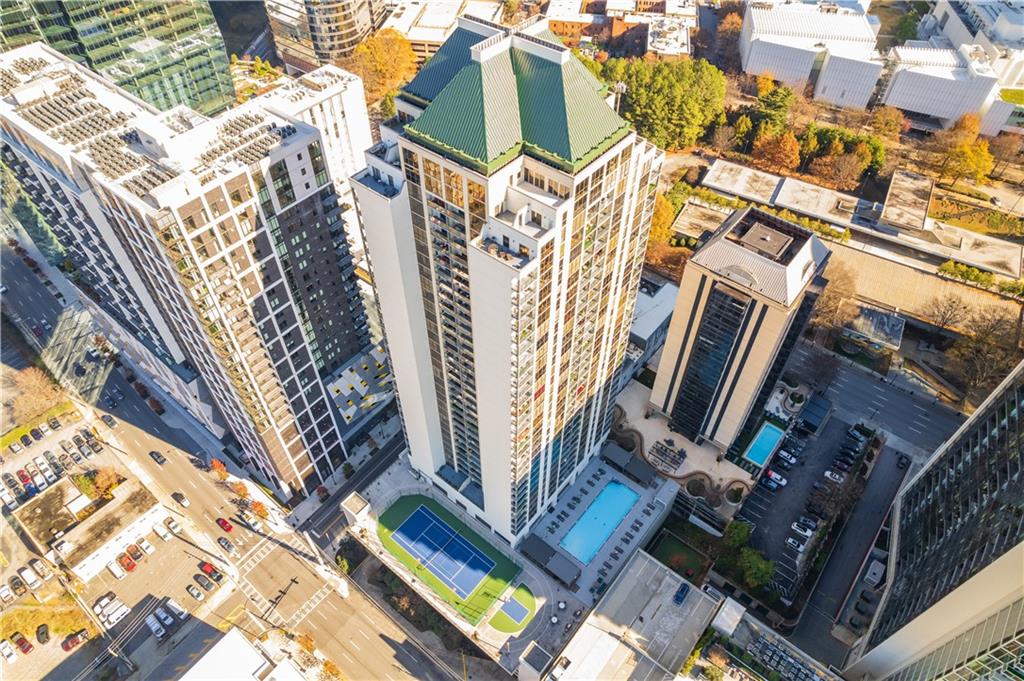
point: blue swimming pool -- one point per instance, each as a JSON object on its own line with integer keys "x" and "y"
{"x": 764, "y": 444}
{"x": 597, "y": 523}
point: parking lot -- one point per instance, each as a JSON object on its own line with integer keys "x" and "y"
{"x": 773, "y": 512}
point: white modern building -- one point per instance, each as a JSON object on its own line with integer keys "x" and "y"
{"x": 228, "y": 237}
{"x": 830, "y": 46}
{"x": 428, "y": 23}
{"x": 506, "y": 223}
{"x": 943, "y": 84}
{"x": 997, "y": 26}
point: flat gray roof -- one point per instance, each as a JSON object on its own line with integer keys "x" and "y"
{"x": 906, "y": 204}
{"x": 636, "y": 631}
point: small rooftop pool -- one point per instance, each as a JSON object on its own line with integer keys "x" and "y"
{"x": 592, "y": 529}
{"x": 764, "y": 444}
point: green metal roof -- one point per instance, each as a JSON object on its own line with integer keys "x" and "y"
{"x": 484, "y": 114}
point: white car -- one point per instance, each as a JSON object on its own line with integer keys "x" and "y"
{"x": 776, "y": 477}
{"x": 164, "y": 617}
{"x": 801, "y": 530}
{"x": 155, "y": 627}
{"x": 787, "y": 457}
{"x": 176, "y": 608}
{"x": 6, "y": 594}
{"x": 173, "y": 526}
{"x": 144, "y": 544}
{"x": 796, "y": 545}
{"x": 161, "y": 531}
{"x": 44, "y": 428}
{"x": 41, "y": 569}
{"x": 8, "y": 499}
{"x": 102, "y": 604}
{"x": 7, "y": 650}
{"x": 29, "y": 576}
{"x": 838, "y": 478}
{"x": 118, "y": 615}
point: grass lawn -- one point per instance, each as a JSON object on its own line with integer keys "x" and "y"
{"x": 1014, "y": 96}
{"x": 671, "y": 551}
{"x": 506, "y": 624}
{"x": 63, "y": 618}
{"x": 14, "y": 434}
{"x": 491, "y": 586}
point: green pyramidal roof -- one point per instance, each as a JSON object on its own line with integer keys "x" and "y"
{"x": 513, "y": 100}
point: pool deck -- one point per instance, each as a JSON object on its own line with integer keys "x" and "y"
{"x": 635, "y": 402}
{"x": 757, "y": 438}
{"x": 648, "y": 512}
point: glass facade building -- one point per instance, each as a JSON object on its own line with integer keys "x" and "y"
{"x": 166, "y": 53}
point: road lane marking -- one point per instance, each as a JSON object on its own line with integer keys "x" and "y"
{"x": 363, "y": 634}
{"x": 919, "y": 432}
{"x": 354, "y": 644}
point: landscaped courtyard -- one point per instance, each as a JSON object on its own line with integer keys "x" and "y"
{"x": 683, "y": 559}
{"x": 462, "y": 568}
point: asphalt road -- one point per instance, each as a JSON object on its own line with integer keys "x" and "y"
{"x": 858, "y": 395}
{"x": 364, "y": 642}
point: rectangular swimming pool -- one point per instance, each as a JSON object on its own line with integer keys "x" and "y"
{"x": 764, "y": 444}
{"x": 597, "y": 523}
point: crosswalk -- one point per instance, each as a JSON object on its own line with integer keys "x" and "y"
{"x": 309, "y": 606}
{"x": 264, "y": 608}
{"x": 252, "y": 559}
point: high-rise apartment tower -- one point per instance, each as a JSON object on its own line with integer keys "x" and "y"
{"x": 167, "y": 53}
{"x": 506, "y": 223}
{"x": 309, "y": 33}
{"x": 745, "y": 296}
{"x": 954, "y": 602}
{"x": 218, "y": 241}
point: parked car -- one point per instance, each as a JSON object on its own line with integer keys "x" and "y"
{"x": 95, "y": 446}
{"x": 202, "y": 581}
{"x": 808, "y": 522}
{"x": 862, "y": 608}
{"x": 835, "y": 477}
{"x": 173, "y": 526}
{"x": 158, "y": 457}
{"x": 65, "y": 461}
{"x": 41, "y": 569}
{"x": 783, "y": 465}
{"x": 867, "y": 596}
{"x": 43, "y": 634}
{"x": 176, "y": 608}
{"x": 55, "y": 423}
{"x": 798, "y": 546}
{"x": 903, "y": 461}
{"x": 74, "y": 640}
{"x": 7, "y": 650}
{"x": 226, "y": 545}
{"x": 44, "y": 428}
{"x": 36, "y": 434}
{"x": 24, "y": 477}
{"x": 156, "y": 405}
{"x": 7, "y": 499}
{"x": 135, "y": 552}
{"x": 6, "y": 595}
{"x": 787, "y": 457}
{"x": 18, "y": 639}
{"x": 161, "y": 532}
{"x": 224, "y": 524}
{"x": 105, "y": 600}
{"x": 118, "y": 615}
{"x": 144, "y": 544}
{"x": 109, "y": 420}
{"x": 164, "y": 617}
{"x": 85, "y": 452}
{"x": 801, "y": 530}
{"x": 769, "y": 483}
{"x": 180, "y": 498}
{"x": 210, "y": 570}
{"x": 194, "y": 592}
{"x": 30, "y": 578}
{"x": 77, "y": 439}
{"x": 126, "y": 562}
{"x": 17, "y": 585}
{"x": 14, "y": 447}
{"x": 155, "y": 627}
{"x": 76, "y": 456}
{"x": 26, "y": 441}
{"x": 840, "y": 465}
{"x": 776, "y": 477}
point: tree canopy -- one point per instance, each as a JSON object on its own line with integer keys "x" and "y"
{"x": 384, "y": 61}
{"x": 670, "y": 103}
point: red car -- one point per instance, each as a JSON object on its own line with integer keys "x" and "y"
{"x": 24, "y": 477}
{"x": 18, "y": 639}
{"x": 37, "y": 330}
{"x": 126, "y": 562}
{"x": 74, "y": 640}
{"x": 135, "y": 552}
{"x": 224, "y": 525}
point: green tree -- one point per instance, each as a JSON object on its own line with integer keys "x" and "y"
{"x": 342, "y": 562}
{"x": 906, "y": 27}
{"x": 10, "y": 189}
{"x": 744, "y": 127}
{"x": 714, "y": 673}
{"x": 737, "y": 534}
{"x": 773, "y": 107}
{"x": 757, "y": 571}
{"x": 387, "y": 105}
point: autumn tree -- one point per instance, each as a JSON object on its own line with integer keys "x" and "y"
{"x": 765, "y": 83}
{"x": 829, "y": 310}
{"x": 384, "y": 61}
{"x": 723, "y": 138}
{"x": 34, "y": 394}
{"x": 986, "y": 352}
{"x": 729, "y": 41}
{"x": 968, "y": 159}
{"x": 1005, "y": 149}
{"x": 888, "y": 122}
{"x": 260, "y": 509}
{"x": 239, "y": 489}
{"x": 105, "y": 480}
{"x": 947, "y": 311}
{"x": 219, "y": 469}
{"x": 781, "y": 152}
{"x": 661, "y": 222}
{"x": 306, "y": 642}
{"x": 330, "y": 670}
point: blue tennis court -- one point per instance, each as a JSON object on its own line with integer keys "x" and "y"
{"x": 458, "y": 564}
{"x": 514, "y": 609}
